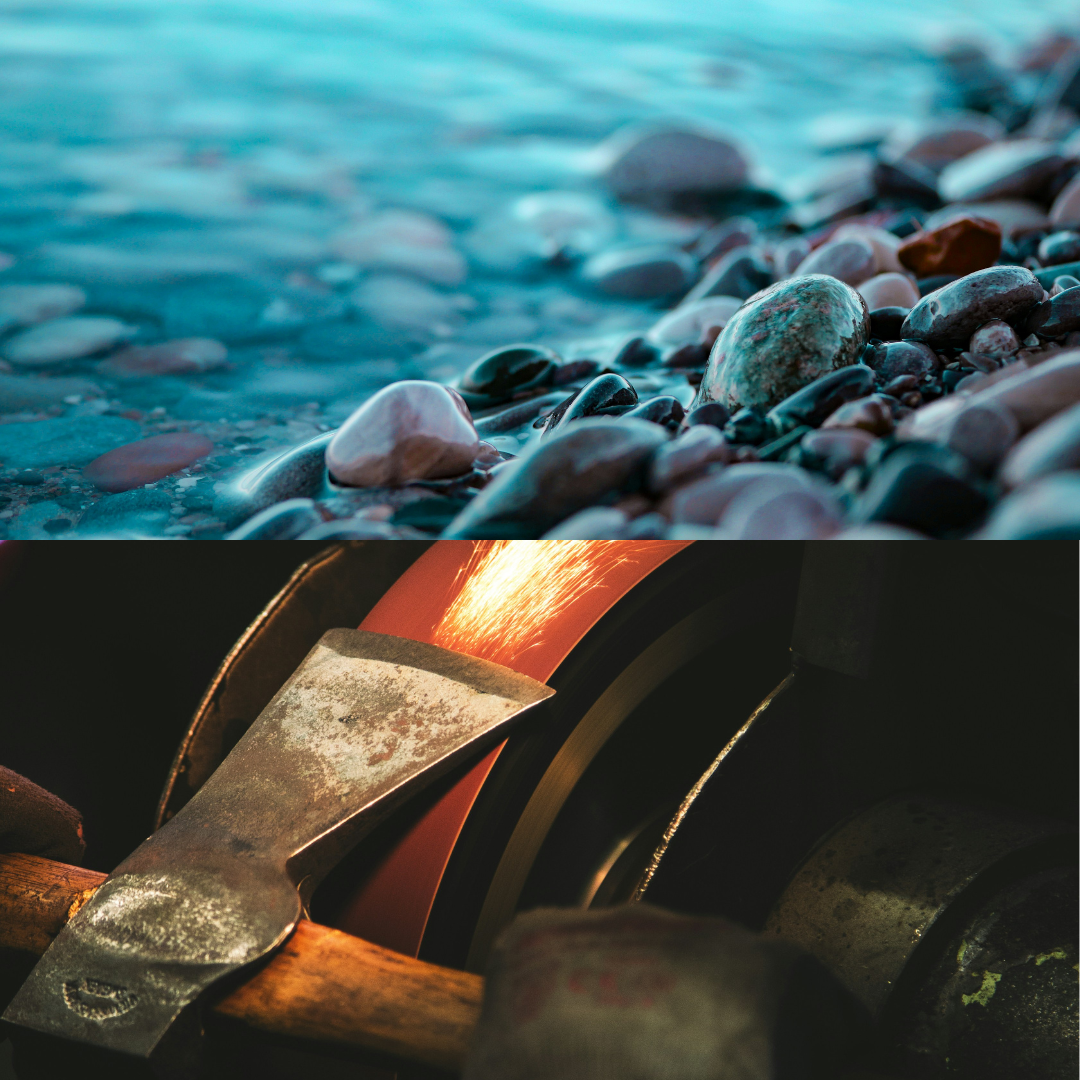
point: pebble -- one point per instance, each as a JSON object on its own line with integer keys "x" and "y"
{"x": 596, "y": 523}
{"x": 507, "y": 419}
{"x": 1006, "y": 170}
{"x": 835, "y": 450}
{"x": 983, "y": 433}
{"x": 285, "y": 521}
{"x": 131, "y": 513}
{"x": 409, "y": 430}
{"x": 509, "y": 372}
{"x": 146, "y": 461}
{"x": 961, "y": 246}
{"x": 403, "y": 240}
{"x": 1057, "y": 316}
{"x": 1035, "y": 395}
{"x": 819, "y": 399}
{"x": 686, "y": 457}
{"x": 24, "y": 305}
{"x": 851, "y": 261}
{"x": 1059, "y": 247}
{"x": 565, "y": 223}
{"x": 1048, "y": 509}
{"x": 664, "y": 410}
{"x": 888, "y": 291}
{"x": 722, "y": 238}
{"x": 637, "y": 352}
{"x": 1066, "y": 208}
{"x": 582, "y": 466}
{"x": 872, "y": 414}
{"x": 184, "y": 356}
{"x": 995, "y": 338}
{"x": 690, "y": 320}
{"x": 704, "y": 501}
{"x": 712, "y": 413}
{"x": 796, "y": 331}
{"x": 789, "y": 253}
{"x": 654, "y": 165}
{"x": 298, "y": 471}
{"x": 58, "y": 340}
{"x": 906, "y": 182}
{"x": 397, "y": 302}
{"x": 740, "y": 273}
{"x": 885, "y": 322}
{"x": 953, "y": 313}
{"x": 604, "y": 392}
{"x": 884, "y": 243}
{"x": 1015, "y": 216}
{"x": 1052, "y": 447}
{"x": 771, "y": 510}
{"x": 21, "y": 393}
{"x": 937, "y": 142}
{"x": 924, "y": 488}
{"x": 641, "y": 272}
{"x": 1065, "y": 281}
{"x": 68, "y": 440}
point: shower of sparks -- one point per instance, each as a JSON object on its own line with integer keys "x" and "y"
{"x": 510, "y": 589}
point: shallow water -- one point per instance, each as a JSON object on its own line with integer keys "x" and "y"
{"x": 192, "y": 165}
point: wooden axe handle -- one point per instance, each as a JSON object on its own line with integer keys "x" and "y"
{"x": 321, "y": 984}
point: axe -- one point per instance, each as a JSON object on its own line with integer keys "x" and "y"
{"x": 365, "y": 722}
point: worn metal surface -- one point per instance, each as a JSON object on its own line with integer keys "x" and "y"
{"x": 872, "y": 890}
{"x": 365, "y": 721}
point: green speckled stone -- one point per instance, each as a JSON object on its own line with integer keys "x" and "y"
{"x": 790, "y": 334}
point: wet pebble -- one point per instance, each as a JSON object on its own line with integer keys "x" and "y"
{"x": 1014, "y": 216}
{"x": 851, "y": 261}
{"x": 983, "y": 433}
{"x": 608, "y": 391}
{"x": 684, "y": 458}
{"x": 740, "y": 273}
{"x": 788, "y": 254}
{"x": 564, "y": 224}
{"x": 184, "y": 356}
{"x": 722, "y": 238}
{"x": 884, "y": 243}
{"x": 24, "y": 305}
{"x": 704, "y": 501}
{"x": 586, "y": 464}
{"x": 656, "y": 165}
{"x": 403, "y": 240}
{"x": 642, "y": 272}
{"x": 872, "y": 414}
{"x": 686, "y": 323}
{"x": 69, "y": 440}
{"x": 960, "y": 247}
{"x": 285, "y": 521}
{"x": 774, "y": 511}
{"x": 835, "y": 450}
{"x": 146, "y": 461}
{"x": 924, "y": 488}
{"x": 885, "y": 322}
{"x": 409, "y": 430}
{"x": 711, "y": 413}
{"x": 664, "y": 410}
{"x": 1005, "y": 170}
{"x": 796, "y": 331}
{"x": 1062, "y": 283}
{"x": 63, "y": 339}
{"x": 953, "y": 313}
{"x": 1066, "y": 208}
{"x": 1035, "y": 395}
{"x": 596, "y": 523}
{"x": 1059, "y": 247}
{"x": 937, "y": 142}
{"x": 888, "y": 291}
{"x": 1052, "y": 447}
{"x": 136, "y": 513}
{"x": 506, "y": 373}
{"x": 995, "y": 338}
{"x": 1048, "y": 509}
{"x": 1057, "y": 316}
{"x": 906, "y": 182}
{"x": 637, "y": 352}
{"x": 818, "y": 400}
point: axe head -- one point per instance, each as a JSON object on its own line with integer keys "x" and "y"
{"x": 364, "y": 722}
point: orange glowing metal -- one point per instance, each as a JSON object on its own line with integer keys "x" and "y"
{"x": 510, "y": 589}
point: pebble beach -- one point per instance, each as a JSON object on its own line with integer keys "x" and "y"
{"x": 538, "y": 270}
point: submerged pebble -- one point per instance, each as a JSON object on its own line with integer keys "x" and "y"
{"x": 145, "y": 461}
{"x": 63, "y": 339}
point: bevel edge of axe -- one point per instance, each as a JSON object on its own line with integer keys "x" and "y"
{"x": 321, "y": 985}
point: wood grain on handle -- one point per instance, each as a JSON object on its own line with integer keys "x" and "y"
{"x": 321, "y": 984}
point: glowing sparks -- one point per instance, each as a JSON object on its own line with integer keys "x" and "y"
{"x": 510, "y": 589}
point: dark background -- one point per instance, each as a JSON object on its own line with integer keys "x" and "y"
{"x": 105, "y": 650}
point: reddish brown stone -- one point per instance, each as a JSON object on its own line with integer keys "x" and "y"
{"x": 180, "y": 357}
{"x": 960, "y": 246}
{"x": 145, "y": 461}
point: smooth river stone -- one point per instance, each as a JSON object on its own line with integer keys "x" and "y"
{"x": 852, "y": 261}
{"x": 1059, "y": 247}
{"x": 1003, "y": 170}
{"x": 982, "y": 433}
{"x": 872, "y": 414}
{"x": 508, "y": 372}
{"x": 1035, "y": 395}
{"x": 895, "y": 358}
{"x": 689, "y": 320}
{"x": 766, "y": 511}
{"x": 24, "y": 305}
{"x": 68, "y": 440}
{"x": 794, "y": 332}
{"x": 686, "y": 457}
{"x": 604, "y": 392}
{"x": 740, "y": 273}
{"x": 819, "y": 399}
{"x": 644, "y": 272}
{"x": 21, "y": 393}
{"x": 650, "y": 164}
{"x": 146, "y": 461}
{"x": 889, "y": 290}
{"x": 937, "y": 142}
{"x": 961, "y": 246}
{"x": 704, "y": 501}
{"x": 1047, "y": 509}
{"x": 995, "y": 338}
{"x": 409, "y": 430}
{"x": 1057, "y": 316}
{"x": 1066, "y": 208}
{"x": 184, "y": 356}
{"x": 65, "y": 339}
{"x": 884, "y": 243}
{"x": 951, "y": 314}
{"x": 591, "y": 462}
{"x": 1015, "y": 216}
{"x": 1052, "y": 447}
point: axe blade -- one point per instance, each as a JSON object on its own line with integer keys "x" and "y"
{"x": 364, "y": 722}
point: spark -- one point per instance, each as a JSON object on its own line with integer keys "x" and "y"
{"x": 510, "y": 589}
